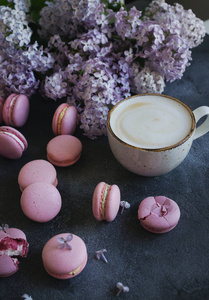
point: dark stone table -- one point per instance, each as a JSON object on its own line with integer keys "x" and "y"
{"x": 173, "y": 265}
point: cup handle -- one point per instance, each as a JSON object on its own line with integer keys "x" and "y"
{"x": 204, "y": 127}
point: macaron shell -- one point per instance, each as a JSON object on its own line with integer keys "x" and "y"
{"x": 68, "y": 121}
{"x": 59, "y": 263}
{"x": 7, "y": 266}
{"x": 64, "y": 150}
{"x": 17, "y": 113}
{"x": 12, "y": 142}
{"x": 97, "y": 199}
{"x": 41, "y": 202}
{"x": 1, "y": 109}
{"x": 38, "y": 170}
{"x": 113, "y": 203}
{"x": 152, "y": 217}
{"x": 13, "y": 233}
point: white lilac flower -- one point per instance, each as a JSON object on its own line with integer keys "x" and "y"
{"x": 22, "y": 5}
{"x": 27, "y": 297}
{"x": 14, "y": 26}
{"x": 146, "y": 81}
{"x": 55, "y": 86}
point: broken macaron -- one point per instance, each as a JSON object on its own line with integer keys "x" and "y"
{"x": 13, "y": 244}
{"x": 158, "y": 214}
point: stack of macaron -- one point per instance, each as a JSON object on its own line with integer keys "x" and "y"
{"x": 40, "y": 200}
{"x": 64, "y": 149}
{"x": 14, "y": 112}
{"x": 13, "y": 244}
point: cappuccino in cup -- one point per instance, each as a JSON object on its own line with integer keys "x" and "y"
{"x": 151, "y": 121}
{"x": 151, "y": 134}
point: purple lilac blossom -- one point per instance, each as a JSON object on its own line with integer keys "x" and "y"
{"x": 98, "y": 52}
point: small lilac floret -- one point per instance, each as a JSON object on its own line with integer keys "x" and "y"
{"x": 63, "y": 243}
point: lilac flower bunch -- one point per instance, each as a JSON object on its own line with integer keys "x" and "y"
{"x": 97, "y": 52}
{"x": 20, "y": 60}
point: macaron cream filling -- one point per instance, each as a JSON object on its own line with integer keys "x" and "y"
{"x": 61, "y": 115}
{"x": 14, "y": 248}
{"x": 104, "y": 198}
{"x": 15, "y": 138}
{"x": 76, "y": 271}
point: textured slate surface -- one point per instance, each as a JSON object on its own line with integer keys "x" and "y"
{"x": 155, "y": 267}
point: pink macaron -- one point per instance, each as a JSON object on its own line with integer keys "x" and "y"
{"x": 12, "y": 142}
{"x": 38, "y": 170}
{"x": 1, "y": 109}
{"x": 158, "y": 214}
{"x": 106, "y": 201}
{"x": 16, "y": 110}
{"x": 64, "y": 150}
{"x": 41, "y": 202}
{"x": 64, "y": 256}
{"x": 13, "y": 244}
{"x": 65, "y": 119}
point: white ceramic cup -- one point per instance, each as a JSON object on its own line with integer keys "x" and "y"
{"x": 151, "y": 134}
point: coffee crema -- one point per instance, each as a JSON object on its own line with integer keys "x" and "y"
{"x": 150, "y": 121}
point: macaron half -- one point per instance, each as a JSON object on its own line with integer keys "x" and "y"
{"x": 65, "y": 119}
{"x": 158, "y": 214}
{"x": 38, "y": 170}
{"x": 64, "y": 257}
{"x": 16, "y": 110}
{"x": 1, "y": 109}
{"x": 64, "y": 150}
{"x": 106, "y": 201}
{"x": 13, "y": 244}
{"x": 41, "y": 202}
{"x": 12, "y": 142}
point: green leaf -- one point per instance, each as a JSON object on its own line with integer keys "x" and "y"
{"x": 37, "y": 4}
{"x": 4, "y": 2}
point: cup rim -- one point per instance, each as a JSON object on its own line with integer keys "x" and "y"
{"x": 193, "y": 125}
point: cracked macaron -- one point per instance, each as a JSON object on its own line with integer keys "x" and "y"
{"x": 158, "y": 214}
{"x": 13, "y": 244}
{"x": 64, "y": 256}
{"x": 106, "y": 201}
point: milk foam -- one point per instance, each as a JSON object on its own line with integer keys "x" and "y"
{"x": 151, "y": 121}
